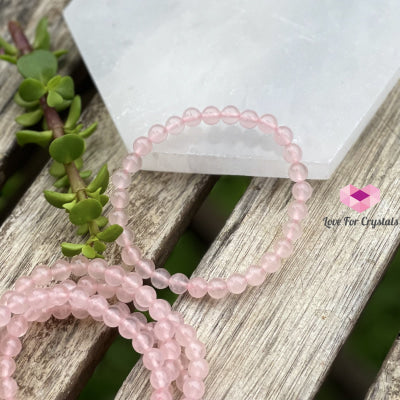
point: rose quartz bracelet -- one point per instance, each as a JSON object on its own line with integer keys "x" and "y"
{"x": 270, "y": 262}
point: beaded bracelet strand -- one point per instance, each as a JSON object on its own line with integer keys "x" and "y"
{"x": 170, "y": 348}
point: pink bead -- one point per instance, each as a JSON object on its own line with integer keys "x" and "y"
{"x": 24, "y": 284}
{"x": 17, "y": 326}
{"x": 297, "y": 210}
{"x": 145, "y": 295}
{"x": 121, "y": 179}
{"x": 194, "y": 388}
{"x": 268, "y": 124}
{"x": 302, "y": 191}
{"x": 217, "y": 288}
{"x": 59, "y": 295}
{"x": 97, "y": 305}
{"x": 236, "y": 283}
{"x": 130, "y": 255}
{"x": 283, "y": 248}
{"x": 114, "y": 275}
{"x": 176, "y": 317}
{"x": 118, "y": 216}
{"x": 292, "y": 153}
{"x": 143, "y": 342}
{"x": 159, "y": 309}
{"x": 164, "y": 330}
{"x": 197, "y": 287}
{"x": 175, "y": 125}
{"x": 38, "y": 297}
{"x": 112, "y": 316}
{"x": 97, "y": 268}
{"x": 283, "y": 136}
{"x": 191, "y": 116}
{"x": 7, "y": 366}
{"x": 159, "y": 378}
{"x": 170, "y": 349}
{"x": 5, "y": 315}
{"x": 230, "y": 115}
{"x": 270, "y": 262}
{"x": 131, "y": 282}
{"x": 185, "y": 334}
{"x": 145, "y": 268}
{"x": 182, "y": 378}
{"x": 255, "y": 275}
{"x": 153, "y": 359}
{"x": 161, "y": 394}
{"x": 125, "y": 239}
{"x": 60, "y": 270}
{"x": 41, "y": 275}
{"x": 157, "y": 133}
{"x": 211, "y": 115}
{"x": 248, "y": 119}
{"x": 119, "y": 198}
{"x": 292, "y": 230}
{"x": 198, "y": 369}
{"x": 142, "y": 146}
{"x": 160, "y": 278}
{"x": 5, "y": 296}
{"x": 79, "y": 265}
{"x": 62, "y": 312}
{"x": 124, "y": 296}
{"x": 195, "y": 350}
{"x": 129, "y": 327}
{"x": 132, "y": 163}
{"x": 178, "y": 283}
{"x": 124, "y": 309}
{"x": 105, "y": 290}
{"x": 17, "y": 303}
{"x": 173, "y": 368}
{"x": 10, "y": 346}
{"x": 78, "y": 298}
{"x": 79, "y": 313}
{"x": 69, "y": 284}
{"x": 298, "y": 172}
{"x": 8, "y": 388}
{"x": 45, "y": 315}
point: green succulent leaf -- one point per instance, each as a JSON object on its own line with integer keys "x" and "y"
{"x": 71, "y": 249}
{"x": 53, "y": 82}
{"x": 54, "y": 99}
{"x": 101, "y": 221}
{"x": 85, "y": 174}
{"x": 41, "y": 138}
{"x": 89, "y": 251}
{"x": 25, "y": 104}
{"x": 104, "y": 199}
{"x": 62, "y": 182}
{"x": 66, "y": 149}
{"x": 74, "y": 113}
{"x": 85, "y": 211}
{"x": 8, "y": 48}
{"x": 30, "y": 118}
{"x": 31, "y": 89}
{"x": 42, "y": 37}
{"x": 65, "y": 88}
{"x": 59, "y": 53}
{"x": 62, "y": 106}
{"x": 57, "y": 169}
{"x": 88, "y": 131}
{"x": 82, "y": 229}
{"x": 99, "y": 246}
{"x": 57, "y": 199}
{"x": 8, "y": 58}
{"x": 69, "y": 206}
{"x": 101, "y": 180}
{"x": 39, "y": 64}
{"x": 111, "y": 233}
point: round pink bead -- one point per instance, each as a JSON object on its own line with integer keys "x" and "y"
{"x": 283, "y": 247}
{"x": 178, "y": 283}
{"x": 59, "y": 295}
{"x": 24, "y": 284}
{"x": 5, "y": 315}
{"x": 236, "y": 283}
{"x": 170, "y": 350}
{"x": 211, "y": 115}
{"x": 164, "y": 330}
{"x": 193, "y": 388}
{"x": 79, "y": 313}
{"x": 121, "y": 179}
{"x": 248, "y": 119}
{"x": 230, "y": 115}
{"x": 297, "y": 210}
{"x": 132, "y": 163}
{"x": 79, "y": 265}
{"x": 41, "y": 275}
{"x": 130, "y": 255}
{"x": 78, "y": 298}
{"x": 191, "y": 116}
{"x": 5, "y": 296}
{"x": 173, "y": 368}
{"x": 292, "y": 230}
{"x": 185, "y": 334}
{"x": 217, "y": 288}
{"x": 114, "y": 275}
{"x": 182, "y": 378}
{"x": 255, "y": 275}
{"x": 7, "y": 366}
{"x": 17, "y": 303}
{"x": 17, "y": 326}
{"x": 10, "y": 346}
{"x": 145, "y": 295}
{"x": 198, "y": 369}
{"x": 112, "y": 316}
{"x": 302, "y": 191}
{"x": 292, "y": 153}
{"x": 160, "y": 278}
{"x": 125, "y": 296}
{"x": 61, "y": 270}
{"x": 97, "y": 268}
{"x": 176, "y": 317}
{"x": 119, "y": 198}
{"x": 157, "y": 133}
{"x": 159, "y": 309}
{"x": 105, "y": 290}
{"x": 298, "y": 172}
{"x": 175, "y": 125}
{"x": 142, "y": 146}
{"x": 159, "y": 378}
{"x": 143, "y": 342}
{"x": 88, "y": 284}
{"x": 197, "y": 287}
{"x": 283, "y": 136}
{"x": 62, "y": 312}
{"x": 270, "y": 262}
{"x": 97, "y": 305}
{"x": 38, "y": 297}
{"x": 161, "y": 394}
{"x": 129, "y": 327}
{"x": 195, "y": 350}
{"x": 118, "y": 216}
{"x": 268, "y": 124}
{"x": 153, "y": 359}
{"x": 132, "y": 281}
{"x": 125, "y": 239}
{"x": 8, "y": 388}
{"x": 145, "y": 268}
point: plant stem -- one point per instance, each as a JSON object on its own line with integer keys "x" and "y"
{"x": 20, "y": 40}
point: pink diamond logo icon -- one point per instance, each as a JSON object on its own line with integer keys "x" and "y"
{"x": 360, "y": 199}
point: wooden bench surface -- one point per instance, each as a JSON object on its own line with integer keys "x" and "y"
{"x": 273, "y": 342}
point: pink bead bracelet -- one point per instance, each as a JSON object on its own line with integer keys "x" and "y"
{"x": 170, "y": 348}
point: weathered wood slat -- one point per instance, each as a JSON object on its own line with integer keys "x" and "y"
{"x": 278, "y": 341}
{"x": 387, "y": 383}
{"x": 58, "y": 357}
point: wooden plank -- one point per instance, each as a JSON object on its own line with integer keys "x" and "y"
{"x": 387, "y": 383}
{"x": 278, "y": 341}
{"x": 59, "y": 356}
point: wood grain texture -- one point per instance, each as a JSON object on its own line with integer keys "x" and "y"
{"x": 387, "y": 383}
{"x": 59, "y": 356}
{"x": 278, "y": 341}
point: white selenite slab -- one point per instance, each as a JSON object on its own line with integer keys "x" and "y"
{"x": 322, "y": 67}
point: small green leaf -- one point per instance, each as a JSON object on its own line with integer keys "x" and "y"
{"x": 74, "y": 113}
{"x": 85, "y": 211}
{"x": 69, "y": 206}
{"x": 101, "y": 180}
{"x": 103, "y": 199}
{"x": 71, "y": 249}
{"x": 8, "y": 48}
{"x": 39, "y": 64}
{"x": 65, "y": 88}
{"x": 101, "y": 221}
{"x": 99, "y": 246}
{"x": 41, "y": 138}
{"x": 57, "y": 199}
{"x": 67, "y": 148}
{"x": 62, "y": 106}
{"x": 8, "y": 58}
{"x": 85, "y": 174}
{"x": 25, "y": 104}
{"x": 59, "y": 53}
{"x": 111, "y": 233}
{"x": 54, "y": 99}
{"x": 82, "y": 229}
{"x": 30, "y": 118}
{"x": 31, "y": 89}
{"x": 57, "y": 169}
{"x": 88, "y": 131}
{"x": 62, "y": 182}
{"x": 53, "y": 82}
{"x": 42, "y": 37}
{"x": 88, "y": 251}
